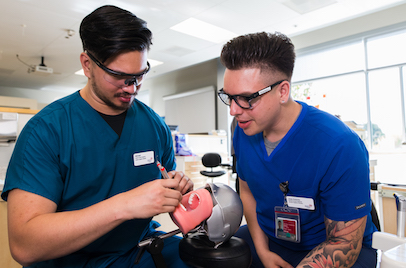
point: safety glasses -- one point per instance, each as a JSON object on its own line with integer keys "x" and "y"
{"x": 245, "y": 102}
{"x": 120, "y": 79}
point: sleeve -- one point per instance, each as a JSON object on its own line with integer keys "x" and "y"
{"x": 233, "y": 126}
{"x": 168, "y": 157}
{"x": 237, "y": 147}
{"x": 345, "y": 187}
{"x": 34, "y": 165}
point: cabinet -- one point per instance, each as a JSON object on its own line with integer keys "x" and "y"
{"x": 6, "y": 260}
{"x": 192, "y": 165}
{"x": 388, "y": 205}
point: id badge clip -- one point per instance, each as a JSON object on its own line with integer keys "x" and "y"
{"x": 287, "y": 220}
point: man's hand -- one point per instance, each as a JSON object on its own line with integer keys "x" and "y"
{"x": 156, "y": 197}
{"x": 273, "y": 260}
{"x": 185, "y": 184}
{"x": 150, "y": 199}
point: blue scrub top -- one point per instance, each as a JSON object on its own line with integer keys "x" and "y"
{"x": 323, "y": 160}
{"x": 68, "y": 153}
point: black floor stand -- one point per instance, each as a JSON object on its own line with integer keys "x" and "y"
{"x": 198, "y": 251}
{"x": 154, "y": 246}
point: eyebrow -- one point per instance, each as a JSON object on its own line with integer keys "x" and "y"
{"x": 244, "y": 94}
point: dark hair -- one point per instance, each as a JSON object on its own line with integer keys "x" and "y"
{"x": 109, "y": 31}
{"x": 262, "y": 50}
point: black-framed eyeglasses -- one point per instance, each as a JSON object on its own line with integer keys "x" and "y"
{"x": 120, "y": 79}
{"x": 245, "y": 102}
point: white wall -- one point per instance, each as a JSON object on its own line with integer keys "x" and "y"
{"x": 42, "y": 97}
{"x": 197, "y": 76}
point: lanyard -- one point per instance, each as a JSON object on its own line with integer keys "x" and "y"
{"x": 284, "y": 186}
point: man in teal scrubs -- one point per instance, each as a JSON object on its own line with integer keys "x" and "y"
{"x": 83, "y": 185}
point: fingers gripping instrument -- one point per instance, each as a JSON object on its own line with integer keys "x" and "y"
{"x": 162, "y": 170}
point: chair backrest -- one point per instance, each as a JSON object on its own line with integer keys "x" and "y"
{"x": 211, "y": 160}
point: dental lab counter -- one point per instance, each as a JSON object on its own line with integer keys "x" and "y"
{"x": 6, "y": 260}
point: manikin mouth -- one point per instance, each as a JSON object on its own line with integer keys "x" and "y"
{"x": 194, "y": 200}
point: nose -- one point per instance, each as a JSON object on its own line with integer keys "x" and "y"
{"x": 234, "y": 108}
{"x": 131, "y": 89}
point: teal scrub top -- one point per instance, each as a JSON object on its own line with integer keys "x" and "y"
{"x": 69, "y": 154}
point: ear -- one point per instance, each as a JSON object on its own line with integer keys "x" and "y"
{"x": 86, "y": 64}
{"x": 284, "y": 91}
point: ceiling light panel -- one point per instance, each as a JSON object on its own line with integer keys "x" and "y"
{"x": 306, "y": 6}
{"x": 154, "y": 63}
{"x": 234, "y": 15}
{"x": 203, "y": 30}
{"x": 80, "y": 72}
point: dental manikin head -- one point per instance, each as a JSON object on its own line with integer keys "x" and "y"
{"x": 214, "y": 210}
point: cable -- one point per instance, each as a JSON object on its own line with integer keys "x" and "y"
{"x": 23, "y": 62}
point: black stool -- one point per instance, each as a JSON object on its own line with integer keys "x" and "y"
{"x": 198, "y": 251}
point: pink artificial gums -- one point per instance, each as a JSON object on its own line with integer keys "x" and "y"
{"x": 195, "y": 207}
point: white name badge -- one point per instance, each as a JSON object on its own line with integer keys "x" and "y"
{"x": 300, "y": 202}
{"x": 143, "y": 158}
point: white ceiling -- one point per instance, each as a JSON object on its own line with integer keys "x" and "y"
{"x": 35, "y": 28}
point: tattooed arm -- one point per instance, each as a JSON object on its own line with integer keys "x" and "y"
{"x": 341, "y": 248}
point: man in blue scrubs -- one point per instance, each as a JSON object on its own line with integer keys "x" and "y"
{"x": 83, "y": 184}
{"x": 304, "y": 175}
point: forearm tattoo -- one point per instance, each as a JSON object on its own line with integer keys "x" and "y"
{"x": 341, "y": 248}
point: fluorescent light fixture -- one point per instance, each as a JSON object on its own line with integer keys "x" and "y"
{"x": 306, "y": 6}
{"x": 153, "y": 63}
{"x": 203, "y": 30}
{"x": 80, "y": 72}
